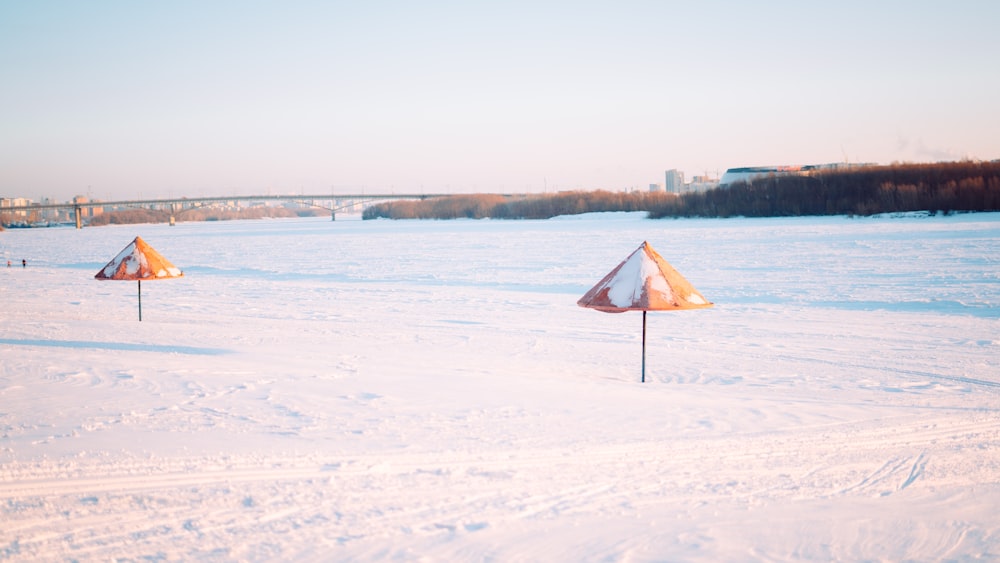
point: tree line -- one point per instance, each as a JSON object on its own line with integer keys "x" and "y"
{"x": 941, "y": 187}
{"x": 481, "y": 206}
{"x": 134, "y": 216}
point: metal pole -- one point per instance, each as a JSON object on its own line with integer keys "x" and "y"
{"x": 644, "y": 346}
{"x": 140, "y": 306}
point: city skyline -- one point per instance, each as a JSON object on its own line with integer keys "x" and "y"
{"x": 113, "y": 100}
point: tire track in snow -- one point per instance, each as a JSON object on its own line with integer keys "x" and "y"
{"x": 347, "y": 500}
{"x": 857, "y": 368}
{"x": 891, "y": 470}
{"x": 915, "y": 471}
{"x": 43, "y": 480}
{"x": 351, "y": 500}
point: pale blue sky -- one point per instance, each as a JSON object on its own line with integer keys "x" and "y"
{"x": 186, "y": 98}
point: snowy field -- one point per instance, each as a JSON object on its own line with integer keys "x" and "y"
{"x": 429, "y": 390}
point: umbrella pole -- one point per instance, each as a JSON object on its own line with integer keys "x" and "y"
{"x": 644, "y": 346}
{"x": 140, "y": 304}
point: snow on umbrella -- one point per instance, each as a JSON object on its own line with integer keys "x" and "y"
{"x": 139, "y": 261}
{"x": 643, "y": 282}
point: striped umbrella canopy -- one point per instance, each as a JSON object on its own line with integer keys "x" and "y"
{"x": 138, "y": 261}
{"x": 643, "y": 282}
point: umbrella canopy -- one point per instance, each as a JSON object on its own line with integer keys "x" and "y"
{"x": 138, "y": 261}
{"x": 643, "y": 282}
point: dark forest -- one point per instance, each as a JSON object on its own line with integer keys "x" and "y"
{"x": 950, "y": 187}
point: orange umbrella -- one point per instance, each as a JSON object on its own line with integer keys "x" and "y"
{"x": 139, "y": 261}
{"x": 643, "y": 282}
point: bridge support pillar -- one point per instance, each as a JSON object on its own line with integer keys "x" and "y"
{"x": 78, "y": 217}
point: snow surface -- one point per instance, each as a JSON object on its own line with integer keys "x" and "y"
{"x": 429, "y": 390}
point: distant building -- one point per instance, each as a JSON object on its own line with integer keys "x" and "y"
{"x": 655, "y": 188}
{"x": 750, "y": 173}
{"x": 15, "y": 202}
{"x": 90, "y": 211}
{"x": 702, "y": 184}
{"x": 54, "y": 215}
{"x": 674, "y": 182}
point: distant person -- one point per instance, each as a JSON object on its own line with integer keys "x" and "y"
{"x": 8, "y": 263}
{"x": 24, "y": 263}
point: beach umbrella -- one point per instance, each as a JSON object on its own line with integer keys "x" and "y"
{"x": 643, "y": 282}
{"x": 138, "y": 261}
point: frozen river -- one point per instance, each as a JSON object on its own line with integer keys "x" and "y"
{"x": 400, "y": 390}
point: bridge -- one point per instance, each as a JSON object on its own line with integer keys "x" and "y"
{"x": 330, "y": 202}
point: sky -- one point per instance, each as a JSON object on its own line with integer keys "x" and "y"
{"x": 120, "y": 100}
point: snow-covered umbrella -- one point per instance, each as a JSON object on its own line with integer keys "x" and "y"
{"x": 643, "y": 282}
{"x": 138, "y": 261}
